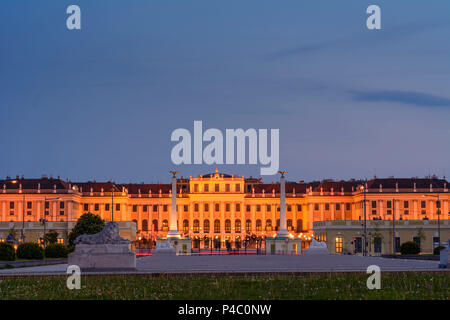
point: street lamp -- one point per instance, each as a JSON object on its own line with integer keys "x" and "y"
{"x": 363, "y": 189}
{"x": 438, "y": 213}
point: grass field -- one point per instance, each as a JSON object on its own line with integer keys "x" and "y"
{"x": 323, "y": 286}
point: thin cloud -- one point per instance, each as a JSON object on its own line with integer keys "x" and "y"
{"x": 405, "y": 97}
{"x": 384, "y": 35}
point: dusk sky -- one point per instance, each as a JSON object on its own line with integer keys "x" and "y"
{"x": 101, "y": 102}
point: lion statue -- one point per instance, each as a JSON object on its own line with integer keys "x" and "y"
{"x": 109, "y": 235}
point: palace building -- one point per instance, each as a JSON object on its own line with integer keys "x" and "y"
{"x": 227, "y": 208}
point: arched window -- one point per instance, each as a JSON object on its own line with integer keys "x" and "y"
{"x": 289, "y": 224}
{"x": 186, "y": 225}
{"x": 217, "y": 226}
{"x": 196, "y": 225}
{"x": 144, "y": 225}
{"x": 237, "y": 226}
{"x": 228, "y": 225}
{"x": 268, "y": 225}
{"x": 258, "y": 225}
{"x": 299, "y": 225}
{"x": 165, "y": 225}
{"x": 206, "y": 226}
{"x": 155, "y": 225}
{"x": 248, "y": 226}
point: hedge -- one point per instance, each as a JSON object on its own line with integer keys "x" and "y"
{"x": 7, "y": 252}
{"x": 56, "y": 250}
{"x": 409, "y": 247}
{"x": 30, "y": 250}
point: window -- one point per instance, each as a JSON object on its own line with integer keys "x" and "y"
{"x": 216, "y": 187}
{"x": 374, "y": 204}
{"x": 299, "y": 225}
{"x": 195, "y": 207}
{"x": 144, "y": 225}
{"x": 217, "y": 226}
{"x": 258, "y": 225}
{"x": 248, "y": 226}
{"x": 238, "y": 207}
{"x": 316, "y": 206}
{"x": 46, "y": 213}
{"x": 405, "y": 204}
{"x": 29, "y": 213}
{"x": 278, "y": 225}
{"x": 289, "y": 224}
{"x": 47, "y": 205}
{"x": 96, "y": 207}
{"x": 438, "y": 204}
{"x": 358, "y": 244}
{"x": 247, "y": 208}
{"x": 347, "y": 206}
{"x": 227, "y": 187}
{"x": 195, "y": 187}
{"x": 258, "y": 208}
{"x": 165, "y": 225}
{"x": 85, "y": 207}
{"x": 289, "y": 208}
{"x": 374, "y": 211}
{"x": 134, "y": 207}
{"x": 61, "y": 213}
{"x": 206, "y": 207}
{"x": 107, "y": 207}
{"x": 62, "y": 205}
{"x": 155, "y": 208}
{"x": 165, "y": 208}
{"x": 228, "y": 225}
{"x": 117, "y": 206}
{"x": 206, "y": 226}
{"x": 268, "y": 225}
{"x": 155, "y": 225}
{"x": 206, "y": 188}
{"x": 217, "y": 207}
{"x": 238, "y": 187}
{"x": 436, "y": 242}
{"x": 30, "y": 205}
{"x": 423, "y": 204}
{"x": 299, "y": 207}
{"x": 377, "y": 244}
{"x": 145, "y": 208}
{"x": 389, "y": 212}
{"x": 397, "y": 244}
{"x": 389, "y": 204}
{"x": 338, "y": 206}
{"x": 227, "y": 207}
{"x": 11, "y": 205}
{"x": 406, "y": 212}
{"x": 237, "y": 226}
{"x": 339, "y": 244}
{"x": 269, "y": 208}
{"x": 327, "y": 206}
{"x": 186, "y": 225}
{"x": 196, "y": 225}
{"x": 417, "y": 240}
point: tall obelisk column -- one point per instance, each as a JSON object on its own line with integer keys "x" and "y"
{"x": 283, "y": 232}
{"x": 173, "y": 228}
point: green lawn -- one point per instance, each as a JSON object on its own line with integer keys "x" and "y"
{"x": 324, "y": 286}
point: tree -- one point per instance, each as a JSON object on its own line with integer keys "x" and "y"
{"x": 88, "y": 223}
{"x": 51, "y": 237}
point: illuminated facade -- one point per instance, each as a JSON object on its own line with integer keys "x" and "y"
{"x": 221, "y": 206}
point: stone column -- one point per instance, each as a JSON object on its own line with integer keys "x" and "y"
{"x": 283, "y": 232}
{"x": 173, "y": 230}
{"x": 3, "y": 210}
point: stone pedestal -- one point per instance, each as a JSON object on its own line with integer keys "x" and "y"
{"x": 444, "y": 259}
{"x": 107, "y": 257}
{"x": 178, "y": 246}
{"x": 283, "y": 245}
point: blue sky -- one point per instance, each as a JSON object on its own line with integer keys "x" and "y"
{"x": 101, "y": 103}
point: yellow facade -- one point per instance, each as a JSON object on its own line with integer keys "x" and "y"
{"x": 223, "y": 206}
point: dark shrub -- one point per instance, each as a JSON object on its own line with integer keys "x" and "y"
{"x": 30, "y": 250}
{"x": 437, "y": 250}
{"x": 410, "y": 247}
{"x": 7, "y": 252}
{"x": 56, "y": 250}
{"x": 88, "y": 223}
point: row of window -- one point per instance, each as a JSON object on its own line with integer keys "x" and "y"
{"x": 423, "y": 204}
{"x": 217, "y": 225}
{"x": 30, "y": 205}
{"x": 337, "y": 206}
{"x": 237, "y": 187}
{"x": 377, "y": 243}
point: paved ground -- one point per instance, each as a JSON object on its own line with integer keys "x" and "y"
{"x": 253, "y": 263}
